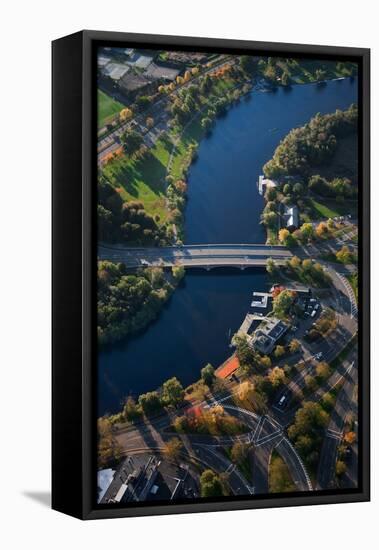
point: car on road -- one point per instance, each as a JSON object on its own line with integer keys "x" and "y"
{"x": 319, "y": 356}
{"x": 282, "y": 401}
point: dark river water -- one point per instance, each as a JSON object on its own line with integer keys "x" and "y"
{"x": 224, "y": 206}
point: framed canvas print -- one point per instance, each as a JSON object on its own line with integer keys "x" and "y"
{"x": 210, "y": 274}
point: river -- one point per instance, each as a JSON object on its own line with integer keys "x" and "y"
{"x": 224, "y": 206}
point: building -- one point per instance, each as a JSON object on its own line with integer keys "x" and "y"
{"x": 291, "y": 216}
{"x": 158, "y": 72}
{"x": 133, "y": 84}
{"x": 186, "y": 57}
{"x": 104, "y": 479}
{"x": 132, "y": 480}
{"x": 139, "y": 61}
{"x": 268, "y": 333}
{"x": 115, "y": 71}
{"x": 146, "y": 477}
{"x": 102, "y": 61}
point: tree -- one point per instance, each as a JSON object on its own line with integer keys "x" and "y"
{"x": 295, "y": 262}
{"x": 285, "y": 79}
{"x": 340, "y": 468}
{"x": 131, "y": 411}
{"x": 282, "y": 303}
{"x": 279, "y": 351}
{"x": 270, "y": 219}
{"x": 172, "y": 392}
{"x": 286, "y": 238}
{"x": 178, "y": 272}
{"x": 172, "y": 449}
{"x": 248, "y": 64}
{"x": 270, "y": 266}
{"x": 294, "y": 345}
{"x": 322, "y": 229}
{"x": 310, "y": 383}
{"x": 298, "y": 189}
{"x": 350, "y": 438}
{"x": 323, "y": 371}
{"x": 132, "y": 141}
{"x": 271, "y": 194}
{"x": 149, "y": 122}
{"x": 150, "y": 402}
{"x": 344, "y": 255}
{"x": 245, "y": 354}
{"x": 125, "y": 114}
{"x": 277, "y": 377}
{"x": 245, "y": 392}
{"x": 206, "y": 123}
{"x": 208, "y": 374}
{"x": 307, "y": 231}
{"x": 210, "y": 484}
{"x": 239, "y": 452}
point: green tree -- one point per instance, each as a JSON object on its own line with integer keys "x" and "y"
{"x": 150, "y": 402}
{"x": 344, "y": 255}
{"x": 131, "y": 411}
{"x": 282, "y": 303}
{"x": 307, "y": 231}
{"x": 208, "y": 374}
{"x": 172, "y": 392}
{"x": 132, "y": 141}
{"x": 178, "y": 272}
{"x": 210, "y": 484}
{"x": 270, "y": 266}
{"x": 279, "y": 351}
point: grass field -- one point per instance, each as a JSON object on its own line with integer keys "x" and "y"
{"x": 107, "y": 108}
{"x": 142, "y": 180}
{"x": 330, "y": 208}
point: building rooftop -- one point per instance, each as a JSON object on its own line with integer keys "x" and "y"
{"x": 140, "y": 61}
{"x": 102, "y": 61}
{"x": 132, "y": 480}
{"x": 132, "y": 82}
{"x": 156, "y": 72}
{"x": 268, "y": 334}
{"x": 115, "y": 70}
{"x": 292, "y": 216}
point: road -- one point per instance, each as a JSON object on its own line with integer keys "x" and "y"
{"x": 206, "y": 256}
{"x": 334, "y": 432}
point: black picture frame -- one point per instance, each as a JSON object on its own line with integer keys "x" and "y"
{"x": 74, "y": 282}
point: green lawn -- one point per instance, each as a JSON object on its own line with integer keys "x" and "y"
{"x": 107, "y": 108}
{"x": 330, "y": 208}
{"x": 142, "y": 180}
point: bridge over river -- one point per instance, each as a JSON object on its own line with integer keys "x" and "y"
{"x": 206, "y": 256}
